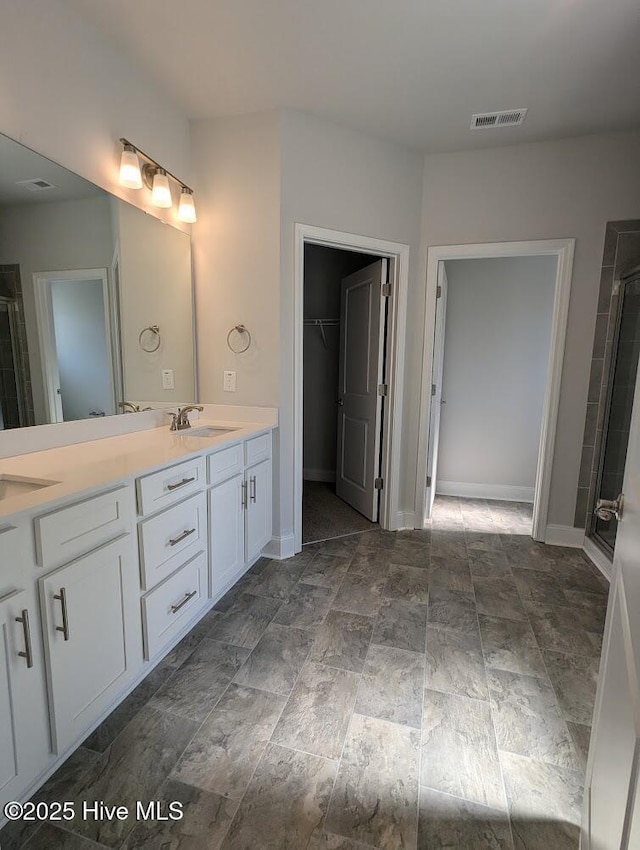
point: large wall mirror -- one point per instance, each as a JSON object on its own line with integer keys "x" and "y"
{"x": 96, "y": 299}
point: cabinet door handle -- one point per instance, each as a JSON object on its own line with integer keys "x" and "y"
{"x": 243, "y": 489}
{"x": 181, "y": 483}
{"x": 64, "y": 628}
{"x": 173, "y": 541}
{"x": 187, "y": 597}
{"x": 26, "y": 630}
{"x": 253, "y": 488}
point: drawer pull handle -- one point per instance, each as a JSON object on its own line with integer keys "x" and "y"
{"x": 64, "y": 628}
{"x": 187, "y": 597}
{"x": 175, "y": 540}
{"x": 243, "y": 489}
{"x": 253, "y": 488}
{"x": 181, "y": 483}
{"x": 28, "y": 652}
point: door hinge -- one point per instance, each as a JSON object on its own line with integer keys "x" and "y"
{"x": 433, "y": 389}
{"x": 428, "y": 481}
{"x": 378, "y": 483}
{"x": 386, "y": 290}
{"x": 439, "y": 292}
{"x": 383, "y": 389}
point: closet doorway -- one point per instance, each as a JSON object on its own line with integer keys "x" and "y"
{"x": 344, "y": 326}
{"x": 350, "y": 295}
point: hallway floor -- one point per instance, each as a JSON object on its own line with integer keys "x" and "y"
{"x": 325, "y": 515}
{"x": 413, "y": 690}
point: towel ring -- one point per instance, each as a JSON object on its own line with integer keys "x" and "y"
{"x": 155, "y": 330}
{"x": 239, "y": 329}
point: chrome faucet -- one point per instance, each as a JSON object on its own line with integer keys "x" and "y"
{"x": 129, "y": 407}
{"x": 180, "y": 420}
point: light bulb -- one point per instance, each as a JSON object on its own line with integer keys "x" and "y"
{"x": 161, "y": 192}
{"x": 130, "y": 175}
{"x": 186, "y": 209}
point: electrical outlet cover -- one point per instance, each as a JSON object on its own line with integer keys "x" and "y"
{"x": 167, "y": 379}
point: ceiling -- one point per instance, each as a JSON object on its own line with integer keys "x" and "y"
{"x": 19, "y": 163}
{"x": 412, "y": 71}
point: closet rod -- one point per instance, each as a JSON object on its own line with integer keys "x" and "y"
{"x": 320, "y": 323}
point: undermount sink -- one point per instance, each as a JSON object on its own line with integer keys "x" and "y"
{"x": 208, "y": 431}
{"x": 18, "y": 485}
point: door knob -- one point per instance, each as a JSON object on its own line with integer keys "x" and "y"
{"x": 340, "y": 402}
{"x": 608, "y": 509}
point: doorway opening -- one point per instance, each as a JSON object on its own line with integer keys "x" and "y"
{"x": 495, "y": 326}
{"x": 349, "y": 359}
{"x": 75, "y": 333}
{"x": 344, "y": 342}
{"x": 618, "y": 408}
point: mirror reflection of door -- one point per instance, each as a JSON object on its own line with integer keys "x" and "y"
{"x": 75, "y": 341}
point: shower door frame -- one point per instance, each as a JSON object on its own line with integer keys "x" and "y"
{"x": 592, "y": 533}
{"x": 12, "y": 312}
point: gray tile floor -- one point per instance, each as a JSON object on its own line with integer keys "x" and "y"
{"x": 415, "y": 690}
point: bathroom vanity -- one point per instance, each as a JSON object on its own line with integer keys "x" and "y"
{"x": 110, "y": 551}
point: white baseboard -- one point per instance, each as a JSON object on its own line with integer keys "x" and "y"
{"x": 564, "y": 535}
{"x": 500, "y": 492}
{"x": 406, "y": 519}
{"x": 280, "y": 548}
{"x": 598, "y": 558}
{"x": 328, "y": 475}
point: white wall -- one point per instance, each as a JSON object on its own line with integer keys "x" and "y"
{"x": 548, "y": 190}
{"x": 237, "y": 254}
{"x": 84, "y": 363}
{"x": 497, "y": 337}
{"x": 69, "y": 95}
{"x": 155, "y": 287}
{"x": 53, "y": 237}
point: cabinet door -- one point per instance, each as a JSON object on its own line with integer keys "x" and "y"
{"x": 92, "y": 630}
{"x": 24, "y": 736}
{"x": 258, "y": 525}
{"x": 226, "y": 532}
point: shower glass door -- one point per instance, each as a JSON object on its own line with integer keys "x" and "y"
{"x": 11, "y": 412}
{"x": 624, "y": 368}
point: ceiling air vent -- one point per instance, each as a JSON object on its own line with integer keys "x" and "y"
{"x": 37, "y": 184}
{"x": 505, "y": 118}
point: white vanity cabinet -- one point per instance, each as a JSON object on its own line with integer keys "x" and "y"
{"x": 173, "y": 552}
{"x": 92, "y": 636}
{"x": 24, "y": 719}
{"x": 240, "y": 523}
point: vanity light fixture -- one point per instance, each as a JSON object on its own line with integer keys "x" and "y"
{"x": 161, "y": 191}
{"x": 130, "y": 174}
{"x": 186, "y": 209}
{"x": 156, "y": 178}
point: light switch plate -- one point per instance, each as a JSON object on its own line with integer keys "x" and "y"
{"x": 229, "y": 382}
{"x": 167, "y": 379}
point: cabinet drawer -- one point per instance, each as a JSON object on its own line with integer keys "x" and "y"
{"x": 64, "y": 535}
{"x": 170, "y": 485}
{"x": 225, "y": 464}
{"x": 257, "y": 449}
{"x": 171, "y": 538}
{"x": 169, "y": 606}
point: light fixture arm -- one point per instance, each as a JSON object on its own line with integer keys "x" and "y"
{"x": 150, "y": 164}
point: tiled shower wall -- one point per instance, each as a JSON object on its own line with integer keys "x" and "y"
{"x": 621, "y": 253}
{"x": 11, "y": 287}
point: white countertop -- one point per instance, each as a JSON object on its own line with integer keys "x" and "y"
{"x": 93, "y": 465}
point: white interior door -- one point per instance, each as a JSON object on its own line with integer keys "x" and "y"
{"x": 612, "y": 804}
{"x": 359, "y": 400}
{"x": 436, "y": 389}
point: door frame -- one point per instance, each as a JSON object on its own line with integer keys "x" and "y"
{"x": 563, "y": 250}
{"x": 398, "y": 255}
{"x": 46, "y": 334}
